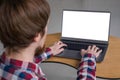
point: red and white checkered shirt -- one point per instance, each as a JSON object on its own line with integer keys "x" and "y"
{"x": 11, "y": 69}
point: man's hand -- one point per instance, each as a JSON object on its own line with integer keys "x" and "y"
{"x": 92, "y": 50}
{"x": 57, "y": 48}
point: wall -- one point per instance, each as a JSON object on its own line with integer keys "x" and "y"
{"x": 56, "y": 12}
{"x": 107, "y": 5}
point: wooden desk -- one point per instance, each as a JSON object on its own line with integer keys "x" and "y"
{"x": 109, "y": 68}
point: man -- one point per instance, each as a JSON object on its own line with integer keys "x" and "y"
{"x": 23, "y": 29}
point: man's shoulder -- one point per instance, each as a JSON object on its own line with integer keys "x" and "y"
{"x": 8, "y": 72}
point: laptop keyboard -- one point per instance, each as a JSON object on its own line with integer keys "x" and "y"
{"x": 76, "y": 46}
{"x": 79, "y": 45}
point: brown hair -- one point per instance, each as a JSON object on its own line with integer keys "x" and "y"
{"x": 21, "y": 20}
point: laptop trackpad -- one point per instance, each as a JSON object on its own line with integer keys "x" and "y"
{"x": 70, "y": 54}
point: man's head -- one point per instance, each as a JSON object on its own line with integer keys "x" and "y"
{"x": 21, "y": 21}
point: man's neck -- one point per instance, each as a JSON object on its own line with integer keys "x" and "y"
{"x": 26, "y": 55}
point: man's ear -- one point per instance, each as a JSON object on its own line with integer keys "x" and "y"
{"x": 37, "y": 37}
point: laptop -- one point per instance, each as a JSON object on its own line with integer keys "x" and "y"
{"x": 83, "y": 28}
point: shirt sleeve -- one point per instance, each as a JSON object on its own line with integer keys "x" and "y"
{"x": 47, "y": 54}
{"x": 87, "y": 68}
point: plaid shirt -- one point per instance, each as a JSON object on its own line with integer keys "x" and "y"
{"x": 87, "y": 68}
{"x": 11, "y": 69}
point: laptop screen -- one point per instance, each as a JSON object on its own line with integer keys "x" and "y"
{"x": 86, "y": 25}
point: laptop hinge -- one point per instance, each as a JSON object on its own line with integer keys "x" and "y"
{"x": 84, "y": 40}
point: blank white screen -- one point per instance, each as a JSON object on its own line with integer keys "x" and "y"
{"x": 86, "y": 25}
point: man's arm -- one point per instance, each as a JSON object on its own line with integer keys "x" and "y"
{"x": 87, "y": 68}
{"x": 47, "y": 54}
{"x": 57, "y": 48}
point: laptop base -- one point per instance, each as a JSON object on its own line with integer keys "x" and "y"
{"x": 73, "y": 54}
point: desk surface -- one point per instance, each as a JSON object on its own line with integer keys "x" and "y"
{"x": 109, "y": 68}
